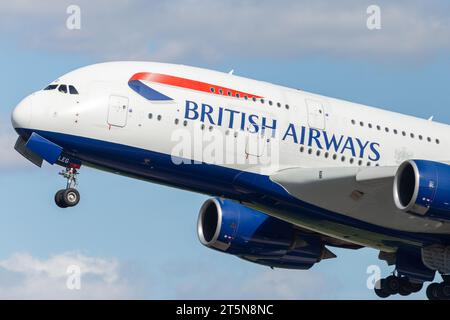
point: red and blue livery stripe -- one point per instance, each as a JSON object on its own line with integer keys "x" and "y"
{"x": 136, "y": 83}
{"x": 146, "y": 91}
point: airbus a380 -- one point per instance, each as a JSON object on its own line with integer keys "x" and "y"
{"x": 291, "y": 174}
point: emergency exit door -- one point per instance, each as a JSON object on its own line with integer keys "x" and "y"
{"x": 118, "y": 111}
{"x": 316, "y": 114}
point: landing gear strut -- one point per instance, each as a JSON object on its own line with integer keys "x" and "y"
{"x": 396, "y": 285}
{"x": 70, "y": 196}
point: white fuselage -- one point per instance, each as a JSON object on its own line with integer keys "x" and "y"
{"x": 305, "y": 124}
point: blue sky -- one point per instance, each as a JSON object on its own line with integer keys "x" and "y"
{"x": 138, "y": 240}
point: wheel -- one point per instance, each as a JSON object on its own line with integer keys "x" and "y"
{"x": 392, "y": 285}
{"x": 432, "y": 291}
{"x": 71, "y": 197}
{"x": 404, "y": 291}
{"x": 381, "y": 293}
{"x": 379, "y": 289}
{"x": 416, "y": 287}
{"x": 443, "y": 291}
{"x": 59, "y": 199}
{"x": 406, "y": 287}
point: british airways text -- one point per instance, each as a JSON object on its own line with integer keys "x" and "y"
{"x": 253, "y": 123}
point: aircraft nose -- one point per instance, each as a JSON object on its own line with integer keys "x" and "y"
{"x": 21, "y": 116}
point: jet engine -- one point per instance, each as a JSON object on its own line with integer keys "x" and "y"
{"x": 423, "y": 188}
{"x": 254, "y": 236}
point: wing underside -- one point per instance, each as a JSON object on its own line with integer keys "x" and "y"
{"x": 361, "y": 193}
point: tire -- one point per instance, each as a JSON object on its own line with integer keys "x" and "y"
{"x": 381, "y": 293}
{"x": 59, "y": 199}
{"x": 71, "y": 197}
{"x": 432, "y": 291}
{"x": 404, "y": 291}
{"x": 392, "y": 285}
{"x": 379, "y": 289}
{"x": 416, "y": 287}
{"x": 405, "y": 288}
{"x": 443, "y": 291}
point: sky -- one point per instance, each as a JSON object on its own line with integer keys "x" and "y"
{"x": 133, "y": 239}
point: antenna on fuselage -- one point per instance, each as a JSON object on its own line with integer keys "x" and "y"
{"x": 231, "y": 72}
{"x": 431, "y": 118}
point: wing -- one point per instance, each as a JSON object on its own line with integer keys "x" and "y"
{"x": 361, "y": 193}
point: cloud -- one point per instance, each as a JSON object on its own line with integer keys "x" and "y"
{"x": 269, "y": 284}
{"x": 232, "y": 278}
{"x": 213, "y": 30}
{"x": 23, "y": 276}
{"x": 286, "y": 284}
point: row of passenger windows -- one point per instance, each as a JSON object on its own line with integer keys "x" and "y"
{"x": 310, "y": 151}
{"x": 396, "y": 132}
{"x": 202, "y": 126}
{"x": 335, "y": 156}
{"x": 62, "y": 88}
{"x": 246, "y": 97}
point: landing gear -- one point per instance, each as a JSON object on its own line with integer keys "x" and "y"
{"x": 439, "y": 291}
{"x": 70, "y": 196}
{"x": 393, "y": 285}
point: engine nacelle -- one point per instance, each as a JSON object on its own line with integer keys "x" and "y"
{"x": 423, "y": 188}
{"x": 254, "y": 236}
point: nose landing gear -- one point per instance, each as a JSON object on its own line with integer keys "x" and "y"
{"x": 70, "y": 196}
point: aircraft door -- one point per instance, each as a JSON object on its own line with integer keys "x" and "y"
{"x": 118, "y": 111}
{"x": 255, "y": 144}
{"x": 316, "y": 114}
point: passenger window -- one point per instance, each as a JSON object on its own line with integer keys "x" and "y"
{"x": 62, "y": 88}
{"x": 72, "y": 90}
{"x": 51, "y": 87}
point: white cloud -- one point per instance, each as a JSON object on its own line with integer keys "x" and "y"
{"x": 23, "y": 276}
{"x": 211, "y": 30}
{"x": 238, "y": 279}
{"x": 287, "y": 284}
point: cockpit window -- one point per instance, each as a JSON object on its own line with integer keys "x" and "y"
{"x": 51, "y": 87}
{"x": 62, "y": 88}
{"x": 72, "y": 90}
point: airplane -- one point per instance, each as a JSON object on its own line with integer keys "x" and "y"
{"x": 291, "y": 174}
